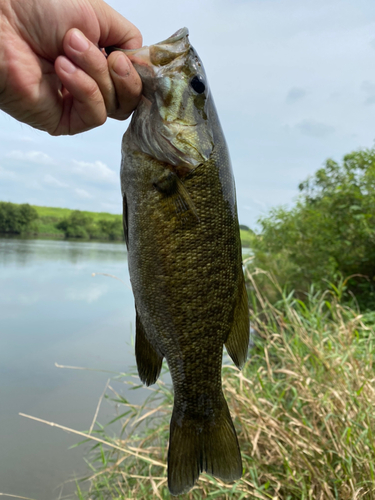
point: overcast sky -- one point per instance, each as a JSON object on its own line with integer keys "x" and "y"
{"x": 294, "y": 84}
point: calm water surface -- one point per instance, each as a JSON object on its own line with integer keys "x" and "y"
{"x": 52, "y": 310}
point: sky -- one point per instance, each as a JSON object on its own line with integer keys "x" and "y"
{"x": 293, "y": 83}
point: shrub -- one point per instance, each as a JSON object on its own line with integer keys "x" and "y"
{"x": 80, "y": 225}
{"x": 328, "y": 234}
{"x": 76, "y": 225}
{"x": 16, "y": 219}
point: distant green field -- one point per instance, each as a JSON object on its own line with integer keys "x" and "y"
{"x": 60, "y": 213}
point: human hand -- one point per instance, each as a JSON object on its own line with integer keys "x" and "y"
{"x": 56, "y": 79}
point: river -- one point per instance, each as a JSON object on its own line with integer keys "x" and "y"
{"x": 53, "y": 310}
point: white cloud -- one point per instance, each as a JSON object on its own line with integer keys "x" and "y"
{"x": 31, "y": 156}
{"x": 115, "y": 208}
{"x": 81, "y": 193}
{"x": 96, "y": 171}
{"x": 33, "y": 184}
{"x": 6, "y": 174}
{"x": 52, "y": 181}
{"x": 313, "y": 128}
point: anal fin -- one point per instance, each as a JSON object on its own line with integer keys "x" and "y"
{"x": 149, "y": 361}
{"x": 237, "y": 343}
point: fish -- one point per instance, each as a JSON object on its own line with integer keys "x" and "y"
{"x": 184, "y": 256}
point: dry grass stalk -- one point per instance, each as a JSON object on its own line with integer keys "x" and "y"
{"x": 303, "y": 406}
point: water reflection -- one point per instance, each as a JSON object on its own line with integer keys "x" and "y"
{"x": 53, "y": 310}
{"x": 22, "y": 251}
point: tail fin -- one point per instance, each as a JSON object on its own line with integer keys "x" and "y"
{"x": 195, "y": 446}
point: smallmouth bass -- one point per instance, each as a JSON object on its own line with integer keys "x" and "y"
{"x": 184, "y": 254}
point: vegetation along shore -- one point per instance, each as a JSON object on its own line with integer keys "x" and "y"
{"x": 53, "y": 222}
{"x": 304, "y": 404}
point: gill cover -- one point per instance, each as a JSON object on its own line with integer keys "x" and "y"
{"x": 172, "y": 122}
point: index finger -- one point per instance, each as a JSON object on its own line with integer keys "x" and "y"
{"x": 115, "y": 29}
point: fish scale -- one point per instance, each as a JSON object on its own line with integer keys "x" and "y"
{"x": 184, "y": 255}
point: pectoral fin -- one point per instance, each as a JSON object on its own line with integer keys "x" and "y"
{"x": 149, "y": 361}
{"x": 176, "y": 195}
{"x": 237, "y": 343}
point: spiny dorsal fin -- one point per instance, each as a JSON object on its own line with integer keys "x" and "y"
{"x": 149, "y": 361}
{"x": 237, "y": 343}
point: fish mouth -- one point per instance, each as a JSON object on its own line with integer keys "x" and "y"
{"x": 179, "y": 35}
{"x": 140, "y": 57}
{"x": 160, "y": 53}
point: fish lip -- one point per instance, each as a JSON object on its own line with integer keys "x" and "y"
{"x": 141, "y": 56}
{"x": 179, "y": 35}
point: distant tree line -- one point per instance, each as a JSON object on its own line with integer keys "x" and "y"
{"x": 16, "y": 219}
{"x": 24, "y": 219}
{"x": 80, "y": 225}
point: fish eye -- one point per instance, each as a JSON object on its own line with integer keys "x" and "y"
{"x": 197, "y": 82}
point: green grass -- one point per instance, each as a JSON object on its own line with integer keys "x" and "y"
{"x": 303, "y": 407}
{"x": 60, "y": 213}
{"x": 48, "y": 228}
{"x": 246, "y": 237}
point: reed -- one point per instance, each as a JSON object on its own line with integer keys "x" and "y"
{"x": 303, "y": 407}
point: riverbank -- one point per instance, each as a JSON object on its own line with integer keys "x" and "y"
{"x": 55, "y": 222}
{"x": 303, "y": 408}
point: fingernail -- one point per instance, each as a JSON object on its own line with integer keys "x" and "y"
{"x": 78, "y": 41}
{"x": 67, "y": 66}
{"x": 121, "y": 66}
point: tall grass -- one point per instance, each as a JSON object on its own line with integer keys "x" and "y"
{"x": 303, "y": 407}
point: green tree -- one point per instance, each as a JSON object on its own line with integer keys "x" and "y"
{"x": 16, "y": 219}
{"x": 77, "y": 225}
{"x": 112, "y": 229}
{"x": 80, "y": 225}
{"x": 330, "y": 233}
